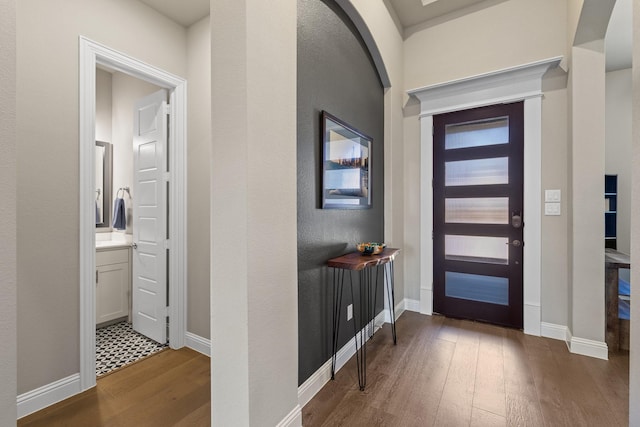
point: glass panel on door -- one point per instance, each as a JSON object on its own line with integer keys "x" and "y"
{"x": 477, "y": 172}
{"x": 477, "y": 210}
{"x": 477, "y": 133}
{"x": 489, "y": 250}
{"x": 474, "y": 287}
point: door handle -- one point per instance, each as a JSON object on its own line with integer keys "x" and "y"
{"x": 134, "y": 245}
{"x": 517, "y": 243}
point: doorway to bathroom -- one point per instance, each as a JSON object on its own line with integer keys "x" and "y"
{"x": 155, "y": 202}
{"x": 131, "y": 257}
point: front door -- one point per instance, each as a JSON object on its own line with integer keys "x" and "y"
{"x": 478, "y": 207}
{"x": 150, "y": 217}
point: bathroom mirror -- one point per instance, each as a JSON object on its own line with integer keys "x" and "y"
{"x": 103, "y": 167}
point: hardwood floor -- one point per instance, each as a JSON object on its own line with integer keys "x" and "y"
{"x": 443, "y": 372}
{"x": 171, "y": 388}
{"x": 447, "y": 372}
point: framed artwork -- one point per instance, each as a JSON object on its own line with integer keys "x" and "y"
{"x": 346, "y": 160}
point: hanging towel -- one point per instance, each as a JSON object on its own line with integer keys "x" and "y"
{"x": 119, "y": 215}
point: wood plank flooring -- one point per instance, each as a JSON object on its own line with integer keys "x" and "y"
{"x": 447, "y": 372}
{"x": 443, "y": 372}
{"x": 171, "y": 388}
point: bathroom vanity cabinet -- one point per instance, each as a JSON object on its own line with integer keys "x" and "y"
{"x": 113, "y": 283}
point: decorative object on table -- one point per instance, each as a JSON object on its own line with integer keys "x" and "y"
{"x": 370, "y": 248}
{"x": 346, "y": 160}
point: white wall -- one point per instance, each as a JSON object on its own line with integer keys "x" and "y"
{"x": 8, "y": 272}
{"x": 634, "y": 352}
{"x": 588, "y": 130}
{"x": 103, "y": 106}
{"x": 253, "y": 223}
{"x": 618, "y": 148}
{"x": 47, "y": 162}
{"x": 198, "y": 177}
{"x": 390, "y": 44}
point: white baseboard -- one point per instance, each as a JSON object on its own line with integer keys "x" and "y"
{"x": 34, "y": 400}
{"x": 315, "y": 382}
{"x": 412, "y": 305}
{"x": 197, "y": 343}
{"x": 426, "y": 301}
{"x": 532, "y": 320}
{"x": 591, "y": 348}
{"x": 551, "y": 330}
{"x": 293, "y": 419}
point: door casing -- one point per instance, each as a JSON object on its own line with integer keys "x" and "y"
{"x": 520, "y": 83}
{"x": 91, "y": 55}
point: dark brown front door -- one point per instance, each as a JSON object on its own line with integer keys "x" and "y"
{"x": 478, "y": 207}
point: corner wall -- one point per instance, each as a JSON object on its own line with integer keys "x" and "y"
{"x": 618, "y": 148}
{"x": 8, "y": 195}
{"x": 634, "y": 351}
{"x": 254, "y": 304}
{"x": 336, "y": 74}
{"x": 198, "y": 177}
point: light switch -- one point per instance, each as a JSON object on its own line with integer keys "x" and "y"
{"x": 552, "y": 209}
{"x": 551, "y": 195}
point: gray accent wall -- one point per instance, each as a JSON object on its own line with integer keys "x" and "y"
{"x": 335, "y": 74}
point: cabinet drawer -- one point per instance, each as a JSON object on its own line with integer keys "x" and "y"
{"x": 115, "y": 256}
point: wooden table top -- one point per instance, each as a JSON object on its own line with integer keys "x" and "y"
{"x": 358, "y": 261}
{"x": 613, "y": 258}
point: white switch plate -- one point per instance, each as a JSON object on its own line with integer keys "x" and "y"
{"x": 552, "y": 209}
{"x": 551, "y": 195}
{"x": 349, "y": 312}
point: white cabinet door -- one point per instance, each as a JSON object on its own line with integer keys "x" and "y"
{"x": 112, "y": 292}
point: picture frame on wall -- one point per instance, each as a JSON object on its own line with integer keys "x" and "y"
{"x": 346, "y": 165}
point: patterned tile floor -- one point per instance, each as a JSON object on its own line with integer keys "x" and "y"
{"x": 118, "y": 345}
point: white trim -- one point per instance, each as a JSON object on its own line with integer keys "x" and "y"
{"x": 57, "y": 391}
{"x": 91, "y": 54}
{"x": 197, "y": 343}
{"x": 551, "y": 330}
{"x": 411, "y": 305}
{"x": 293, "y": 418}
{"x": 522, "y": 83}
{"x": 319, "y": 378}
{"x": 590, "y": 348}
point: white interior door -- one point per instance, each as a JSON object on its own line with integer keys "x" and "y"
{"x": 150, "y": 217}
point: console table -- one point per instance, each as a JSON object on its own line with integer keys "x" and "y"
{"x": 613, "y": 260}
{"x": 368, "y": 268}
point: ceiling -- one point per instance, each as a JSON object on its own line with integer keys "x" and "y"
{"x": 184, "y": 12}
{"x": 618, "y": 45}
{"x": 617, "y": 42}
{"x": 413, "y": 12}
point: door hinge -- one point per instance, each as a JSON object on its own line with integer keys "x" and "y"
{"x": 167, "y": 109}
{"x": 166, "y": 312}
{"x": 167, "y": 244}
{"x": 166, "y": 176}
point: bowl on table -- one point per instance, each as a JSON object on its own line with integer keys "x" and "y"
{"x": 370, "y": 248}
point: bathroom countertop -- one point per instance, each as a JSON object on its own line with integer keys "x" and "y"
{"x": 112, "y": 244}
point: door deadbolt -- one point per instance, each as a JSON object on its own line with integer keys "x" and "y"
{"x": 516, "y": 243}
{"x": 516, "y": 220}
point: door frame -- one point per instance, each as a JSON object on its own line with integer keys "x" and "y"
{"x": 521, "y": 83}
{"x": 91, "y": 55}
